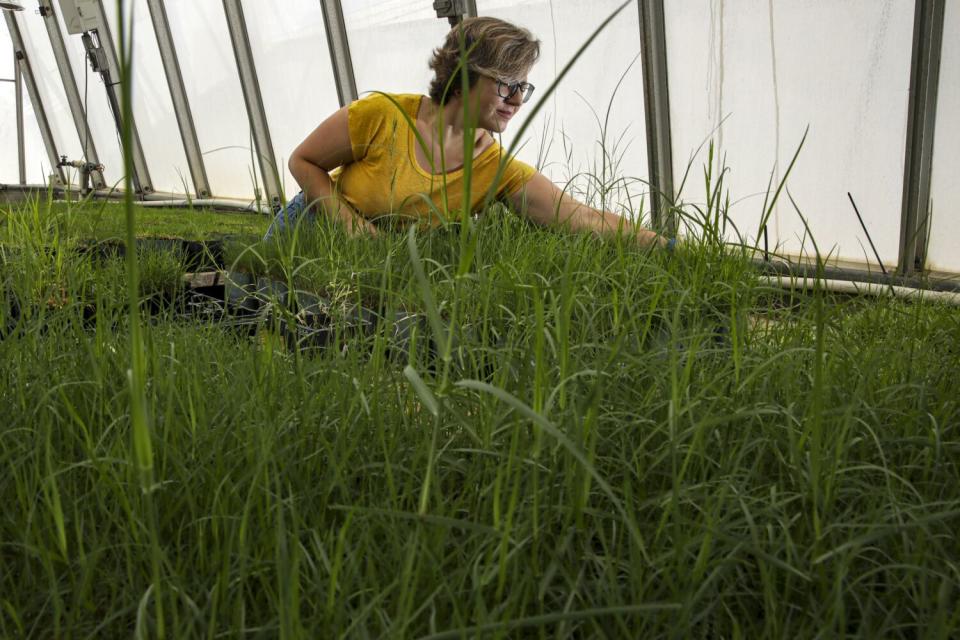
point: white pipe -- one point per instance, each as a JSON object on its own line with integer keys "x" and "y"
{"x": 208, "y": 202}
{"x": 864, "y": 288}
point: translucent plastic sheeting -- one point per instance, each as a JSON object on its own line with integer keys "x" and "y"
{"x": 944, "y": 248}
{"x": 35, "y": 158}
{"x": 35, "y": 155}
{"x": 209, "y": 69}
{"x": 591, "y": 130}
{"x": 93, "y": 93}
{"x": 767, "y": 70}
{"x": 296, "y": 75}
{"x": 9, "y": 167}
{"x": 152, "y": 105}
{"x": 9, "y": 164}
{"x": 50, "y": 88}
{"x": 390, "y": 43}
{"x": 6, "y": 51}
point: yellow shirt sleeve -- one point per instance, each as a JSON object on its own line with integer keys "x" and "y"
{"x": 365, "y": 119}
{"x": 515, "y": 175}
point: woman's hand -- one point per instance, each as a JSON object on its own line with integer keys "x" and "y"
{"x": 545, "y": 204}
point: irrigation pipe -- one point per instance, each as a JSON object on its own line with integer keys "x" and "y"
{"x": 863, "y": 288}
{"x": 208, "y": 202}
{"x": 10, "y": 193}
{"x": 810, "y": 272}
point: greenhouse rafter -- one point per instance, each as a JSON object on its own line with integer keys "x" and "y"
{"x": 22, "y": 61}
{"x": 921, "y": 122}
{"x": 181, "y": 102}
{"x": 103, "y": 41}
{"x": 339, "y": 44}
{"x": 656, "y": 97}
{"x": 77, "y": 107}
{"x": 247, "y": 70}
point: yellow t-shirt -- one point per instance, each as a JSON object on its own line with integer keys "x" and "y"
{"x": 386, "y": 178}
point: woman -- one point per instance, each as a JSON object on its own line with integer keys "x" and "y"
{"x": 365, "y": 160}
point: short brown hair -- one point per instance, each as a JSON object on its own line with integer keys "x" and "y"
{"x": 495, "y": 47}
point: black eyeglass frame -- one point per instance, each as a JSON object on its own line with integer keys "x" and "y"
{"x": 525, "y": 88}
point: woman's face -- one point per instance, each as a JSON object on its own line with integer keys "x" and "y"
{"x": 494, "y": 112}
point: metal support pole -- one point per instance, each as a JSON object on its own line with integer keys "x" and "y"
{"x": 339, "y": 45}
{"x": 111, "y": 75}
{"x": 21, "y": 143}
{"x": 77, "y": 108}
{"x": 178, "y": 92}
{"x": 656, "y": 102}
{"x": 921, "y": 119}
{"x": 253, "y": 99}
{"x": 23, "y": 65}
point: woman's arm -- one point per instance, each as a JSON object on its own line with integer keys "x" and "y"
{"x": 325, "y": 149}
{"x": 544, "y": 203}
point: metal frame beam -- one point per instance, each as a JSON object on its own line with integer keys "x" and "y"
{"x": 656, "y": 102}
{"x": 339, "y": 45}
{"x": 178, "y": 93}
{"x": 921, "y": 120}
{"x": 269, "y": 171}
{"x": 21, "y": 132}
{"x": 865, "y": 275}
{"x": 69, "y": 80}
{"x": 26, "y": 71}
{"x": 141, "y": 175}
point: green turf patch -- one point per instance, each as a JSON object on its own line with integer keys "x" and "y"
{"x": 583, "y": 439}
{"x": 103, "y": 220}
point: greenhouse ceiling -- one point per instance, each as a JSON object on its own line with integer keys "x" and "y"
{"x": 843, "y": 102}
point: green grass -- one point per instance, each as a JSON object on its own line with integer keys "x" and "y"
{"x": 105, "y": 220}
{"x": 586, "y": 439}
{"x": 606, "y": 442}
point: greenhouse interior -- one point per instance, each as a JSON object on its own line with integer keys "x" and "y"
{"x": 480, "y": 318}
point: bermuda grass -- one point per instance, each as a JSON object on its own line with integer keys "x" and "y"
{"x": 591, "y": 440}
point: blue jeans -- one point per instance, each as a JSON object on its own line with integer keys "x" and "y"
{"x": 290, "y": 215}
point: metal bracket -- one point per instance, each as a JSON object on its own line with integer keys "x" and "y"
{"x": 455, "y": 10}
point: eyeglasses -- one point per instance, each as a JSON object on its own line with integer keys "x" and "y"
{"x": 507, "y": 90}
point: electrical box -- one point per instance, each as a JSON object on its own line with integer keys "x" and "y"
{"x": 79, "y": 15}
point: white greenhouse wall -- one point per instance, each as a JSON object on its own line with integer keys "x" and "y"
{"x": 567, "y": 139}
{"x": 35, "y": 156}
{"x": 36, "y": 163}
{"x": 210, "y": 75}
{"x": 152, "y": 105}
{"x": 390, "y": 43}
{"x": 944, "y": 247}
{"x": 767, "y": 70}
{"x": 296, "y": 98}
{"x": 103, "y": 130}
{"x": 50, "y": 87}
{"x": 9, "y": 169}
